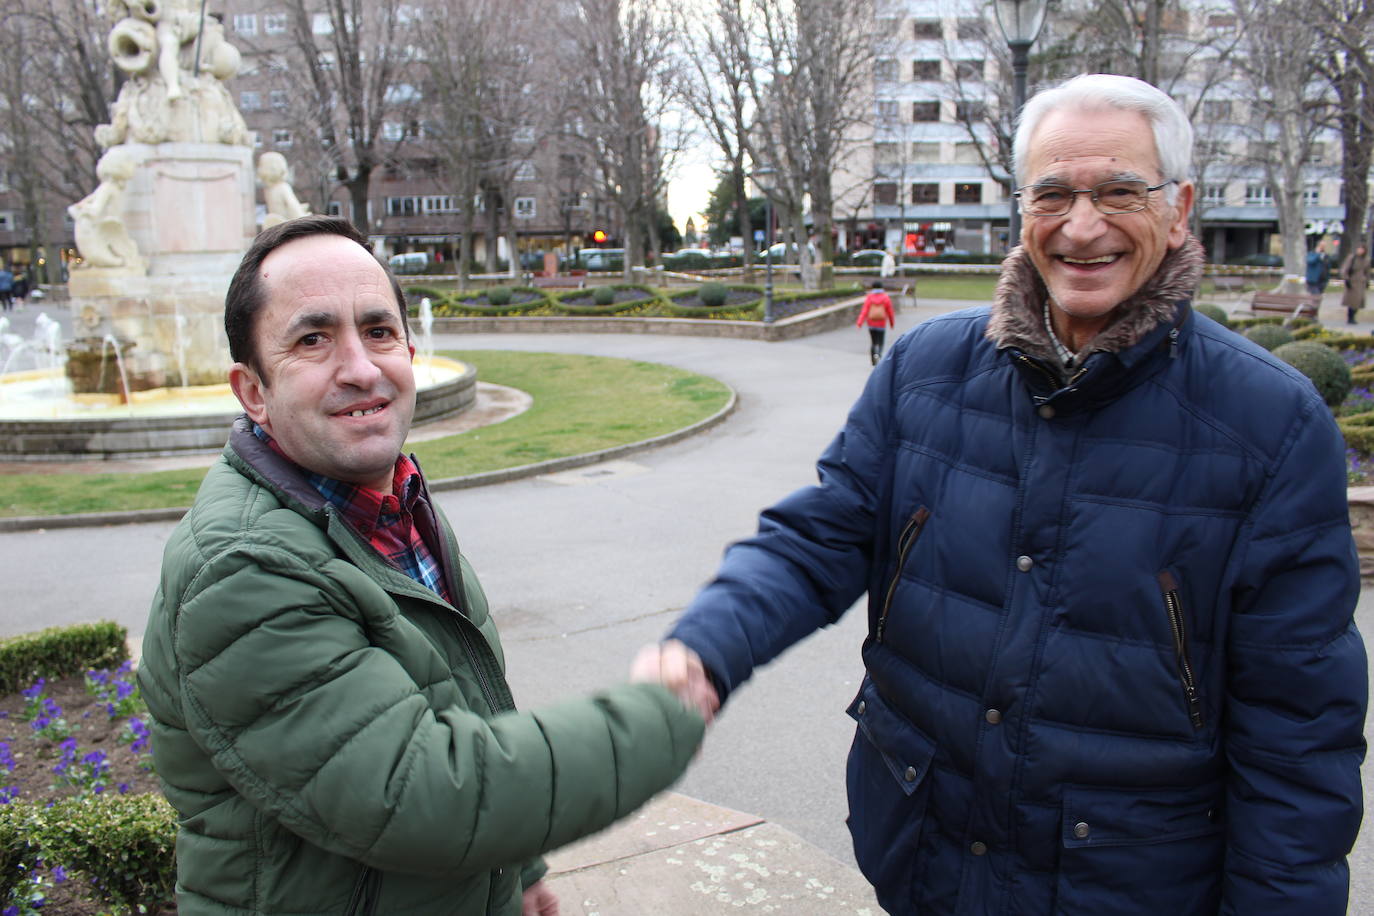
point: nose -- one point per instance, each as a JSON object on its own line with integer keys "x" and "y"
{"x": 1084, "y": 222}
{"x": 355, "y": 366}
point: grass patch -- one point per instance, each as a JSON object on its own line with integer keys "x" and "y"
{"x": 581, "y": 404}
{"x": 953, "y": 286}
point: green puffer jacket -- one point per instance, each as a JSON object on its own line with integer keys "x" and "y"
{"x": 337, "y": 739}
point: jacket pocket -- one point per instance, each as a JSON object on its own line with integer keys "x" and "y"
{"x": 1178, "y": 627}
{"x": 1141, "y": 851}
{"x": 911, "y": 533}
{"x": 889, "y": 788}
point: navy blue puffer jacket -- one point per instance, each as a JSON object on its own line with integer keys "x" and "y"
{"x": 1111, "y": 664}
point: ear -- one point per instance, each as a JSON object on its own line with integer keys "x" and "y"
{"x": 248, "y": 387}
{"x": 1183, "y": 207}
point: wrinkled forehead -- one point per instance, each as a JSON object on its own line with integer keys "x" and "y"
{"x": 1092, "y": 144}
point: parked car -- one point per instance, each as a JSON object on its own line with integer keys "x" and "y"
{"x": 868, "y": 257}
{"x": 411, "y": 262}
{"x": 601, "y": 258}
{"x": 778, "y": 248}
{"x": 687, "y": 258}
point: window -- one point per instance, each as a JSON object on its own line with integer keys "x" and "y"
{"x": 1214, "y": 194}
{"x": 393, "y": 130}
{"x": 887, "y": 153}
{"x": 970, "y": 112}
{"x": 887, "y": 110}
{"x": 885, "y": 193}
{"x": 281, "y": 137}
{"x": 7, "y": 222}
{"x": 525, "y": 171}
{"x": 439, "y": 203}
{"x": 1258, "y": 195}
{"x": 925, "y": 111}
{"x": 250, "y": 101}
{"x": 277, "y": 98}
{"x": 925, "y": 69}
{"x": 402, "y": 206}
{"x": 1215, "y": 110}
{"x": 967, "y": 154}
{"x": 885, "y": 70}
{"x": 1212, "y": 149}
{"x": 1316, "y": 153}
{"x": 524, "y": 208}
{"x": 334, "y": 208}
{"x": 523, "y": 134}
{"x": 969, "y": 29}
{"x": 1311, "y": 194}
{"x": 321, "y": 24}
{"x": 925, "y": 151}
{"x": 927, "y": 192}
{"x": 246, "y": 23}
{"x": 1261, "y": 149}
{"x": 274, "y": 23}
{"x": 968, "y": 192}
{"x": 969, "y": 71}
{"x": 927, "y": 28}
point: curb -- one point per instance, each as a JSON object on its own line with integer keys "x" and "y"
{"x": 139, "y": 516}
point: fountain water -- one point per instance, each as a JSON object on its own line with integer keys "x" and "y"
{"x": 427, "y": 333}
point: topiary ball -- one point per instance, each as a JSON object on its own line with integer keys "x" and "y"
{"x": 499, "y": 295}
{"x": 603, "y": 295}
{"x": 1268, "y": 336}
{"x": 1324, "y": 366}
{"x": 1214, "y": 312}
{"x": 713, "y": 294}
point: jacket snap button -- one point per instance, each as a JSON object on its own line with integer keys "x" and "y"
{"x": 978, "y": 848}
{"x": 1081, "y": 830}
{"x": 1045, "y": 411}
{"x": 910, "y": 774}
{"x": 862, "y": 707}
{"x": 993, "y": 716}
{"x": 1024, "y": 563}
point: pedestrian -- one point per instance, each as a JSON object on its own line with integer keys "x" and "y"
{"x": 1111, "y": 665}
{"x": 21, "y": 287}
{"x": 6, "y": 287}
{"x": 1318, "y": 270}
{"x": 878, "y": 316}
{"x": 1355, "y": 276}
{"x": 330, "y": 712}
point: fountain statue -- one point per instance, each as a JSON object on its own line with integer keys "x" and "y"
{"x": 277, "y": 192}
{"x": 101, "y": 235}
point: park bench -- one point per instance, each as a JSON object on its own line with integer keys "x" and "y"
{"x": 1228, "y": 284}
{"x": 1289, "y": 305}
{"x": 560, "y": 282}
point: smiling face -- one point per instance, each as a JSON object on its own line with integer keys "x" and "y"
{"x": 335, "y": 387}
{"x": 1092, "y": 262}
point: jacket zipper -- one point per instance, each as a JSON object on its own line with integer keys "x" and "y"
{"x": 909, "y": 535}
{"x": 1174, "y": 607}
{"x": 363, "y": 900}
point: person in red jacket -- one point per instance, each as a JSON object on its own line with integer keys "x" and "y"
{"x": 877, "y": 313}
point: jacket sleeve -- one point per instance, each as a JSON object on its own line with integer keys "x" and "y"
{"x": 809, "y": 561}
{"x": 1297, "y": 687}
{"x": 335, "y": 739}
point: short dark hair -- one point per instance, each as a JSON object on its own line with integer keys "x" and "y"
{"x": 877, "y": 284}
{"x": 245, "y": 297}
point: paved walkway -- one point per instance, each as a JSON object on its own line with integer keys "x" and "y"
{"x": 584, "y": 566}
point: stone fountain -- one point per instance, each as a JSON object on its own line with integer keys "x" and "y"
{"x": 159, "y": 239}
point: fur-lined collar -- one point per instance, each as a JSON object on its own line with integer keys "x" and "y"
{"x": 1019, "y": 303}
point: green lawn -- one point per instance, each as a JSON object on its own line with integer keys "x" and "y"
{"x": 954, "y": 286}
{"x": 581, "y": 404}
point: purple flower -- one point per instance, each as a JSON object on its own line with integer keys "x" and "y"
{"x": 36, "y": 691}
{"x": 6, "y": 758}
{"x": 59, "y": 874}
{"x": 10, "y": 911}
{"x": 8, "y": 794}
{"x": 123, "y": 788}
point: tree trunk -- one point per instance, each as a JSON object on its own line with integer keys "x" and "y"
{"x": 358, "y": 187}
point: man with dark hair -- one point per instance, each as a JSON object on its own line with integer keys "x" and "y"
{"x": 1111, "y": 663}
{"x": 331, "y": 718}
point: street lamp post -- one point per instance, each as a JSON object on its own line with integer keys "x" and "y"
{"x": 1020, "y": 22}
{"x": 763, "y": 180}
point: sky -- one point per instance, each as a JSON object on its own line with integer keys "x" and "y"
{"x": 690, "y": 190}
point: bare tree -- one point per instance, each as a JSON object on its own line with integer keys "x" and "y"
{"x": 1347, "y": 27}
{"x": 356, "y": 57}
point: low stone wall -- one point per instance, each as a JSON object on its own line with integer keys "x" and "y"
{"x": 1361, "y": 501}
{"x": 841, "y": 314}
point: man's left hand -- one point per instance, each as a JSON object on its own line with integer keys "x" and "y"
{"x": 539, "y": 900}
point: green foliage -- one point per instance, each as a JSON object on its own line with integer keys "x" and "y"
{"x": 417, "y": 292}
{"x": 60, "y": 652}
{"x": 603, "y": 295}
{"x": 1268, "y": 336}
{"x": 1323, "y": 365}
{"x": 713, "y": 295}
{"x": 1239, "y": 324}
{"x": 1214, "y": 312}
{"x": 1352, "y": 342}
{"x": 123, "y": 844}
{"x": 499, "y": 295}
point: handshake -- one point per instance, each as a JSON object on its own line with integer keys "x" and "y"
{"x": 679, "y": 669}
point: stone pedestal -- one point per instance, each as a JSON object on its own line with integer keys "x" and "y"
{"x": 189, "y": 207}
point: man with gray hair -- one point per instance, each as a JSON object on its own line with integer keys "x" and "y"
{"x": 1111, "y": 665}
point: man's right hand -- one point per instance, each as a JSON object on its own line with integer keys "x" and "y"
{"x": 679, "y": 669}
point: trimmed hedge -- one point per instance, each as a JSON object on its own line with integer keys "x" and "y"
{"x": 1214, "y": 312}
{"x": 59, "y": 652}
{"x": 1323, "y": 365}
{"x": 1268, "y": 336}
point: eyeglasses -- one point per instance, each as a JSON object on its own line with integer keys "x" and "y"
{"x": 1109, "y": 197}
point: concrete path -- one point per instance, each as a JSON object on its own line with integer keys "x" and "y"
{"x": 584, "y": 566}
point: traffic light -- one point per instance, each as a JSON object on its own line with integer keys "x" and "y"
{"x": 600, "y": 236}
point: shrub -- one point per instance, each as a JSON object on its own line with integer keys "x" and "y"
{"x": 1324, "y": 366}
{"x": 499, "y": 295}
{"x": 603, "y": 295}
{"x": 59, "y": 652}
{"x": 1268, "y": 336}
{"x": 1214, "y": 312}
{"x": 713, "y": 294}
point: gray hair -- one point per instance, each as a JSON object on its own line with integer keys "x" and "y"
{"x": 1095, "y": 91}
